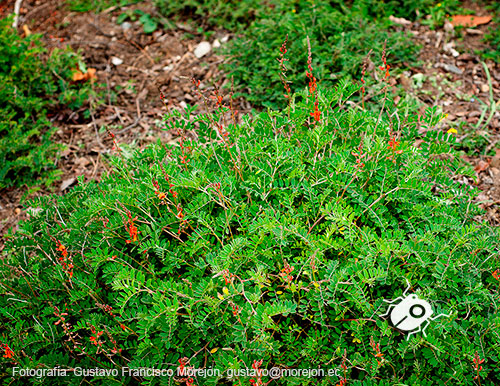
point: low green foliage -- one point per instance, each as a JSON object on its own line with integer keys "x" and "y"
{"x": 232, "y": 14}
{"x": 30, "y": 88}
{"x": 148, "y": 22}
{"x": 274, "y": 240}
{"x": 493, "y": 35}
{"x": 97, "y": 5}
{"x": 342, "y": 35}
{"x": 339, "y": 48}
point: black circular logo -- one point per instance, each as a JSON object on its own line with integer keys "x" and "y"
{"x": 417, "y": 311}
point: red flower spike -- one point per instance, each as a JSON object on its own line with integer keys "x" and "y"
{"x": 477, "y": 364}
{"x": 8, "y": 352}
{"x": 312, "y": 83}
{"x": 131, "y": 228}
{"x": 393, "y": 144}
{"x": 385, "y": 66}
{"x": 316, "y": 114}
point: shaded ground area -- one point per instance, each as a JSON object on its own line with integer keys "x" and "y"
{"x": 132, "y": 66}
{"x": 451, "y": 75}
{"x": 131, "y": 69}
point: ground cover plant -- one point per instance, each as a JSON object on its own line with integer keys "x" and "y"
{"x": 341, "y": 35}
{"x": 97, "y": 5}
{"x": 267, "y": 243}
{"x": 31, "y": 88}
{"x": 493, "y": 35}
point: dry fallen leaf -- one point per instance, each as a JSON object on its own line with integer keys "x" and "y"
{"x": 90, "y": 74}
{"x": 495, "y": 161}
{"x": 399, "y": 20}
{"x": 26, "y": 30}
{"x": 67, "y": 183}
{"x": 481, "y": 166}
{"x": 469, "y": 20}
{"x": 78, "y": 75}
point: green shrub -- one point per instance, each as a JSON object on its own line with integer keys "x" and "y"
{"x": 97, "y": 5}
{"x": 339, "y": 48}
{"x": 230, "y": 14}
{"x": 342, "y": 36}
{"x": 31, "y": 87}
{"x": 274, "y": 240}
{"x": 239, "y": 14}
{"x": 492, "y": 37}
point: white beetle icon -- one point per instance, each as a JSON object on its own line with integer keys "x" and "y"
{"x": 411, "y": 313}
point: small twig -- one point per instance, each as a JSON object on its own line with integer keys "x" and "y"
{"x": 17, "y": 9}
{"x": 493, "y": 105}
{"x": 491, "y": 146}
{"x": 95, "y": 128}
{"x": 143, "y": 50}
{"x": 132, "y": 125}
{"x": 95, "y": 165}
{"x": 111, "y": 9}
{"x": 381, "y": 111}
{"x": 100, "y": 30}
{"x": 35, "y": 10}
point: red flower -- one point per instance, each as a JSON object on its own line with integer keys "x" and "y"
{"x": 359, "y": 156}
{"x": 131, "y": 228}
{"x": 161, "y": 195}
{"x": 316, "y": 114}
{"x": 8, "y": 352}
{"x": 385, "y": 66}
{"x": 342, "y": 382}
{"x": 376, "y": 348}
{"x": 477, "y": 362}
{"x": 66, "y": 262}
{"x": 183, "y": 362}
{"x": 281, "y": 61}
{"x": 218, "y": 97}
{"x": 227, "y": 275}
{"x": 62, "y": 249}
{"x": 312, "y": 83}
{"x": 285, "y": 272}
{"x": 393, "y": 144}
{"x": 180, "y": 215}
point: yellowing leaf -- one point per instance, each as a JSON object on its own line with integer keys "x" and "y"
{"x": 214, "y": 350}
{"x": 481, "y": 166}
{"x": 452, "y": 131}
{"x": 469, "y": 20}
{"x": 26, "y": 30}
{"x": 90, "y": 74}
{"x": 78, "y": 75}
{"x": 225, "y": 290}
{"x": 279, "y": 292}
